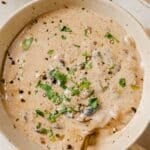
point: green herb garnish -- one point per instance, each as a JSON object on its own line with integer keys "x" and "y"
{"x": 122, "y": 82}
{"x": 85, "y": 84}
{"x": 39, "y": 113}
{"x": 50, "y": 93}
{"x": 72, "y": 71}
{"x": 51, "y": 135}
{"x": 50, "y": 52}
{"x": 63, "y": 109}
{"x": 112, "y": 67}
{"x": 75, "y": 91}
{"x": 27, "y": 43}
{"x": 61, "y": 78}
{"x": 86, "y": 64}
{"x": 38, "y": 126}
{"x": 64, "y": 98}
{"x": 66, "y": 109}
{"x": 91, "y": 92}
{"x": 93, "y": 103}
{"x": 63, "y": 37}
{"x": 111, "y": 37}
{"x": 135, "y": 87}
{"x": 65, "y": 29}
{"x": 78, "y": 46}
{"x": 53, "y": 116}
{"x": 86, "y": 55}
{"x": 42, "y": 131}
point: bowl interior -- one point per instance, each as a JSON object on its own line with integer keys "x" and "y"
{"x": 9, "y": 31}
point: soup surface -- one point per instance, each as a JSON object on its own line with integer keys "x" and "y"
{"x": 71, "y": 75}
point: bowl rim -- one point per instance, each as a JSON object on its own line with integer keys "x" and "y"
{"x": 31, "y": 3}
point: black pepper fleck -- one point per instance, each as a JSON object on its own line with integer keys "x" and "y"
{"x": 2, "y": 81}
{"x": 13, "y": 62}
{"x": 10, "y": 58}
{"x": 21, "y": 91}
{"x": 17, "y": 119}
{"x": 54, "y": 81}
{"x": 66, "y": 6}
{"x": 23, "y": 100}
{"x": 95, "y": 43}
{"x": 11, "y": 82}
{"x": 83, "y": 8}
{"x": 109, "y": 72}
{"x": 60, "y": 21}
{"x": 44, "y": 77}
{"x": 103, "y": 63}
{"x": 44, "y": 22}
{"x": 62, "y": 62}
{"x": 14, "y": 126}
{"x": 52, "y": 21}
{"x": 3, "y": 2}
{"x": 35, "y": 21}
{"x": 111, "y": 20}
{"x": 69, "y": 146}
{"x": 8, "y": 53}
{"x": 68, "y": 69}
{"x": 29, "y": 92}
{"x": 133, "y": 109}
{"x": 57, "y": 135}
{"x": 46, "y": 58}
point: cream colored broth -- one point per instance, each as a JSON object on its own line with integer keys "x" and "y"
{"x": 78, "y": 63}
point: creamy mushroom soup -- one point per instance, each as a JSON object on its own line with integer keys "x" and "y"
{"x": 69, "y": 76}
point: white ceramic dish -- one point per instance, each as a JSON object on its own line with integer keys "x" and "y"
{"x": 124, "y": 138}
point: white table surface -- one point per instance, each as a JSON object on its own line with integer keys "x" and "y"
{"x": 137, "y": 8}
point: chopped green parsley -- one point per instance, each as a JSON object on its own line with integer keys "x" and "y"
{"x": 111, "y": 37}
{"x": 27, "y": 43}
{"x": 42, "y": 131}
{"x": 60, "y": 77}
{"x": 53, "y": 116}
{"x": 84, "y": 84}
{"x": 75, "y": 91}
{"x": 50, "y": 52}
{"x": 135, "y": 87}
{"x": 65, "y": 29}
{"x": 87, "y": 64}
{"x": 93, "y": 103}
{"x": 122, "y": 82}
{"x": 50, "y": 93}
{"x": 78, "y": 46}
{"x": 39, "y": 113}
{"x": 38, "y": 126}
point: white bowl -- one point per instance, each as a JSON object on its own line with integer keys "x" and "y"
{"x": 11, "y": 138}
